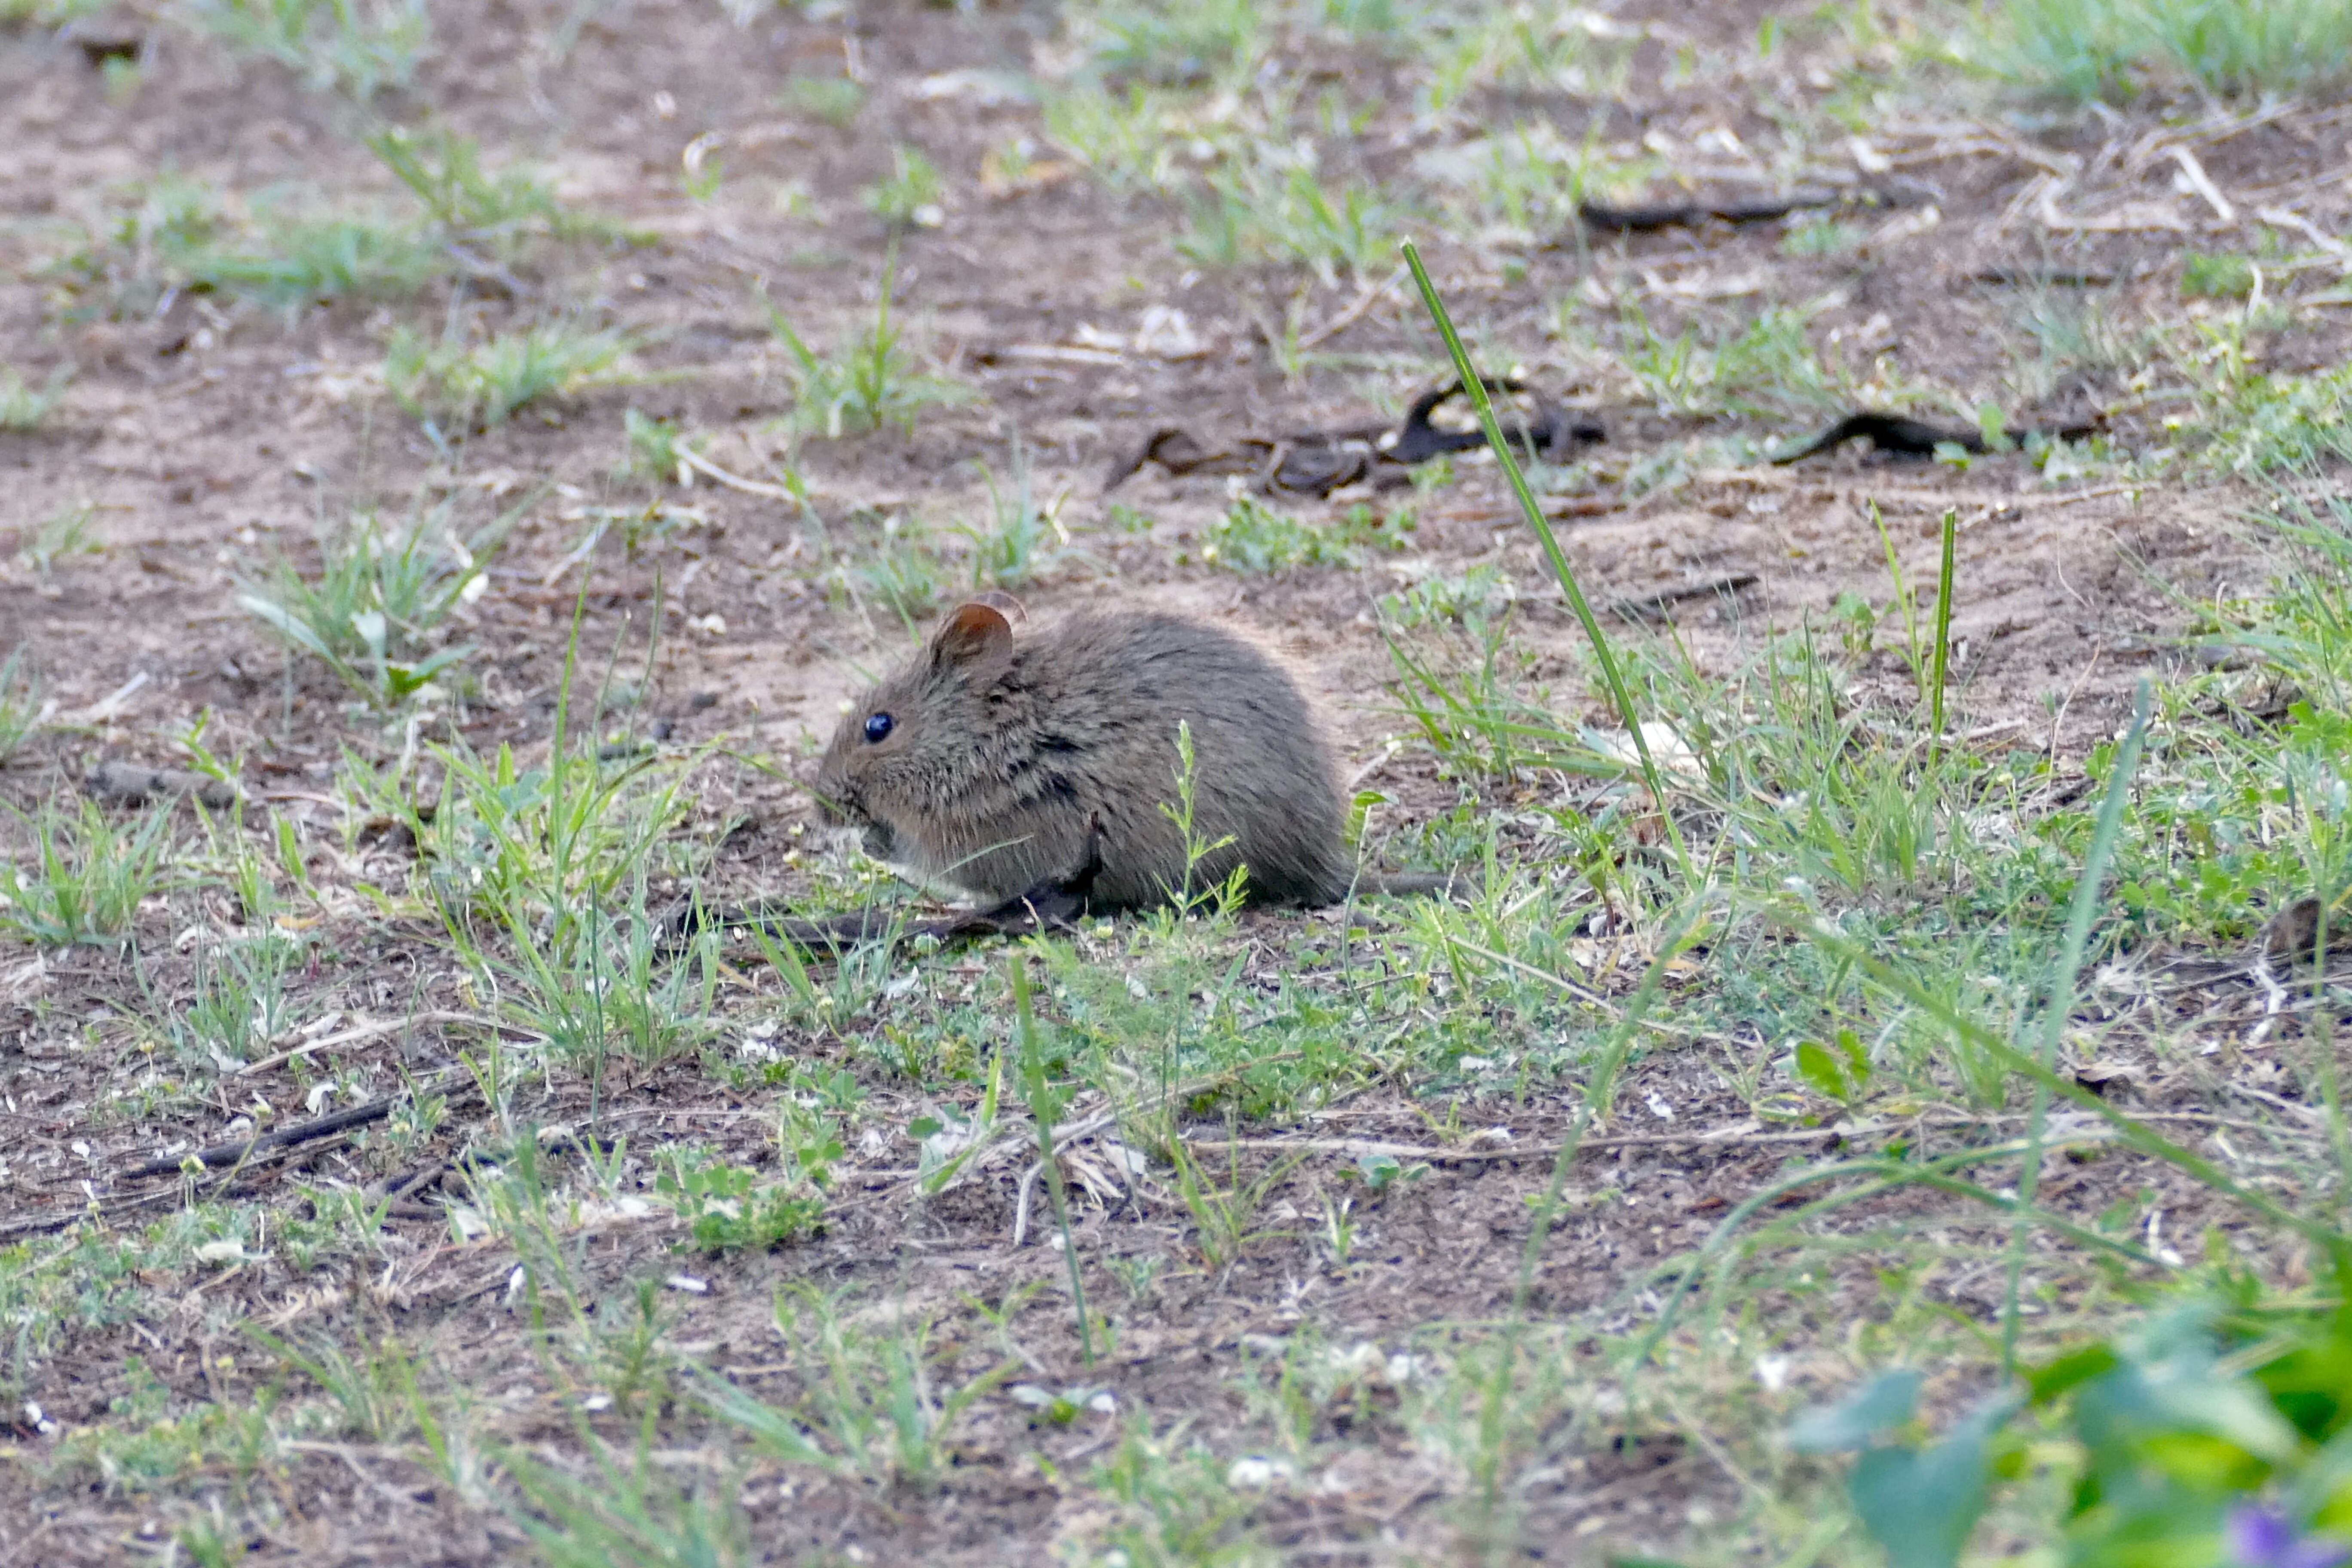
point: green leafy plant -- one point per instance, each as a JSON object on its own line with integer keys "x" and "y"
{"x": 241, "y": 1003}
{"x": 63, "y": 532}
{"x": 1253, "y": 539}
{"x": 728, "y": 1208}
{"x": 357, "y": 47}
{"x": 2113, "y": 49}
{"x": 469, "y": 205}
{"x": 871, "y": 382}
{"x": 1022, "y": 538}
{"x": 2213, "y": 1431}
{"x": 2223, "y": 277}
{"x": 373, "y": 613}
{"x": 86, "y": 876}
{"x": 481, "y": 384}
{"x": 25, "y": 407}
{"x": 910, "y": 197}
{"x": 20, "y": 702}
{"x": 836, "y": 100}
{"x": 872, "y": 1405}
{"x": 653, "y": 449}
{"x": 302, "y": 260}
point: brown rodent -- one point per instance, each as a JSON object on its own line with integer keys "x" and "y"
{"x": 999, "y": 765}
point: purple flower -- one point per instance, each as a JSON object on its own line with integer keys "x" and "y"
{"x": 2260, "y": 1536}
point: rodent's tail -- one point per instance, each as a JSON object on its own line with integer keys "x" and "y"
{"x": 1414, "y": 884}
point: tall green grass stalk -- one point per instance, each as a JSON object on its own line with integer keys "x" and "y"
{"x": 1943, "y": 652}
{"x": 1609, "y": 673}
{"x": 2064, "y": 974}
{"x": 1045, "y": 1110}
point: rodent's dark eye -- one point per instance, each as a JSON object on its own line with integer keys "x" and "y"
{"x": 877, "y": 726}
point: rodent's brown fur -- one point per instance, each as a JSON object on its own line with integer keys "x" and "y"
{"x": 1043, "y": 759}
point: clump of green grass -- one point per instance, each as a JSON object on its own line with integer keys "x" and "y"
{"x": 45, "y": 13}
{"x": 62, "y": 533}
{"x": 652, "y": 450}
{"x": 356, "y": 47}
{"x": 836, "y": 100}
{"x": 2247, "y": 421}
{"x": 871, "y": 382}
{"x": 303, "y": 261}
{"x": 1767, "y": 365}
{"x": 1022, "y": 538}
{"x": 289, "y": 249}
{"x": 902, "y": 571}
{"x": 1254, "y": 214}
{"x": 25, "y": 407}
{"x": 375, "y": 613}
{"x": 911, "y": 196}
{"x": 86, "y": 875}
{"x": 2114, "y": 49}
{"x": 500, "y": 211}
{"x": 20, "y": 702}
{"x": 241, "y": 1003}
{"x": 1821, "y": 236}
{"x": 1255, "y": 539}
{"x": 2223, "y": 277}
{"x": 1169, "y": 46}
{"x": 478, "y": 386}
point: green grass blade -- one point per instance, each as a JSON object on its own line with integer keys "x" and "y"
{"x": 2061, "y": 983}
{"x": 1943, "y": 631}
{"x": 1475, "y": 390}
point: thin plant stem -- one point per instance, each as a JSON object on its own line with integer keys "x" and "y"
{"x": 2062, "y": 977}
{"x": 1944, "y": 585}
{"x": 1045, "y": 1110}
{"x": 1475, "y": 390}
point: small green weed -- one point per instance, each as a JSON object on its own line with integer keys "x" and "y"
{"x": 632, "y": 1513}
{"x": 375, "y": 613}
{"x": 481, "y": 385}
{"x": 1021, "y": 538}
{"x": 872, "y": 382}
{"x": 1767, "y": 367}
{"x": 304, "y": 260}
{"x": 2114, "y": 49}
{"x": 357, "y": 47}
{"x": 1253, "y": 539}
{"x": 836, "y": 100}
{"x": 902, "y": 571}
{"x": 2223, "y": 277}
{"x": 911, "y": 196}
{"x": 1821, "y": 236}
{"x": 25, "y": 407}
{"x": 470, "y": 205}
{"x": 86, "y": 876}
{"x": 872, "y": 1405}
{"x": 1168, "y": 45}
{"x": 63, "y": 533}
{"x": 20, "y": 702}
{"x": 728, "y": 1208}
{"x": 240, "y": 1004}
{"x": 653, "y": 449}
{"x": 1253, "y": 214}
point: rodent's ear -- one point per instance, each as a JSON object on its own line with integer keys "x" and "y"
{"x": 970, "y": 630}
{"x": 1004, "y": 604}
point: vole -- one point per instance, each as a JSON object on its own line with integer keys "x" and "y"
{"x": 1006, "y": 765}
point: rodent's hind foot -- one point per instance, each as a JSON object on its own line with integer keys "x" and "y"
{"x": 1416, "y": 884}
